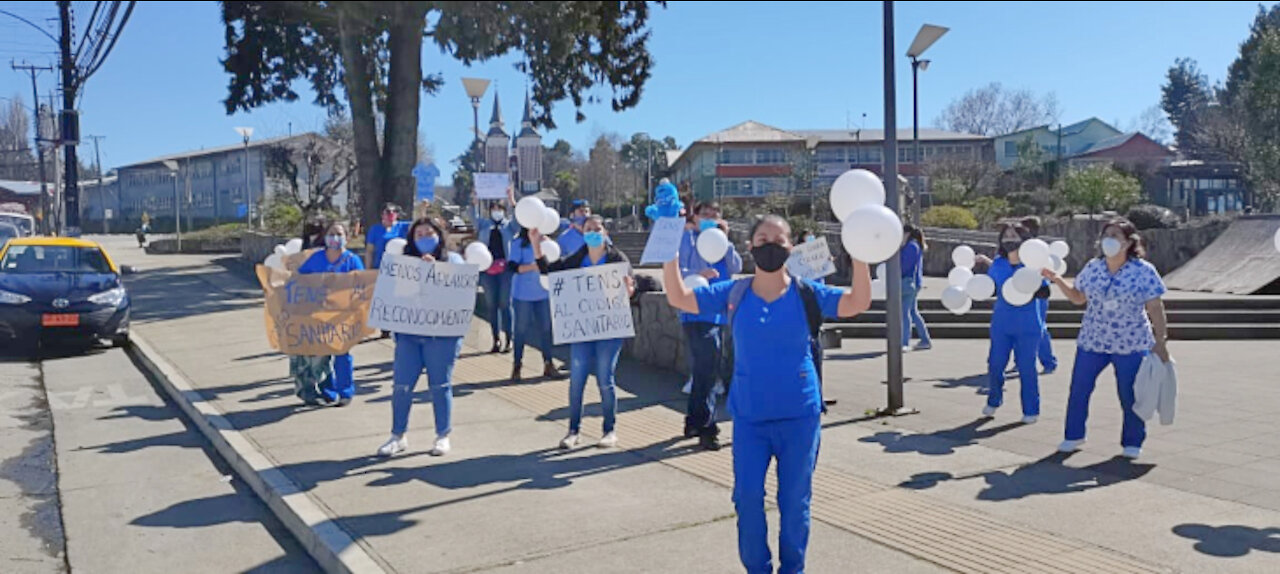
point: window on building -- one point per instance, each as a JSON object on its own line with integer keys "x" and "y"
{"x": 736, "y": 157}
{"x": 830, "y": 155}
{"x": 771, "y": 156}
{"x": 1011, "y": 149}
{"x": 871, "y": 154}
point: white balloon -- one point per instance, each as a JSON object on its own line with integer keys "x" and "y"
{"x": 695, "y": 281}
{"x": 1278, "y": 239}
{"x": 275, "y": 261}
{"x": 1060, "y": 266}
{"x": 1013, "y": 296}
{"x": 954, "y": 298}
{"x": 396, "y": 246}
{"x": 550, "y": 222}
{"x": 871, "y": 233}
{"x": 550, "y": 250}
{"x": 478, "y": 254}
{"x": 855, "y": 189}
{"x": 959, "y": 276}
{"x": 546, "y": 283}
{"x": 713, "y": 245}
{"x": 1060, "y": 248}
{"x": 878, "y": 289}
{"x": 981, "y": 287}
{"x": 1027, "y": 280}
{"x": 1035, "y": 253}
{"x": 963, "y": 256}
{"x": 530, "y": 212}
{"x": 882, "y": 271}
{"x": 293, "y": 246}
{"x": 968, "y": 306}
{"x": 279, "y": 250}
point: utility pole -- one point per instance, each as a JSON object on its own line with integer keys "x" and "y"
{"x": 56, "y": 198}
{"x": 34, "y": 71}
{"x": 102, "y": 192}
{"x": 70, "y": 133}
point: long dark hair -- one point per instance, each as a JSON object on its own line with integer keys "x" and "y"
{"x": 916, "y": 234}
{"x": 1019, "y": 227}
{"x": 411, "y": 248}
{"x": 1137, "y": 246}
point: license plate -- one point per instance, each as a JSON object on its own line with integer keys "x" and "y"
{"x": 60, "y": 320}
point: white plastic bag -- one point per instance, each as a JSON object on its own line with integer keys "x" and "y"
{"x": 1156, "y": 390}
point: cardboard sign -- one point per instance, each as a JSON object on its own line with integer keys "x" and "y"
{"x": 811, "y": 260}
{"x": 415, "y": 297}
{"x": 316, "y": 314}
{"x": 664, "y": 241}
{"x": 591, "y": 304}
{"x": 492, "y": 185}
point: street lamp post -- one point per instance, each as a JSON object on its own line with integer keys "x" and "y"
{"x": 475, "y": 87}
{"x": 177, "y": 205}
{"x": 247, "y": 133}
{"x": 893, "y": 295}
{"x": 925, "y": 38}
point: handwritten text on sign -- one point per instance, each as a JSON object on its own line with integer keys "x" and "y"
{"x": 415, "y": 297}
{"x": 492, "y": 185}
{"x": 318, "y": 314}
{"x": 664, "y": 241}
{"x": 811, "y": 260}
{"x": 591, "y": 304}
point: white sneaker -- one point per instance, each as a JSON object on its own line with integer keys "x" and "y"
{"x": 688, "y": 387}
{"x": 906, "y": 349}
{"x": 442, "y": 446}
{"x": 1131, "y": 452}
{"x": 1070, "y": 445}
{"x": 719, "y": 388}
{"x": 989, "y": 411}
{"x": 609, "y": 441}
{"x": 569, "y": 441}
{"x": 394, "y": 445}
{"x": 1030, "y": 420}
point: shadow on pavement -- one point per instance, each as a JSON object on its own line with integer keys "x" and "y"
{"x": 1046, "y": 476}
{"x": 939, "y": 443}
{"x": 1232, "y": 541}
{"x": 180, "y": 439}
{"x": 157, "y": 294}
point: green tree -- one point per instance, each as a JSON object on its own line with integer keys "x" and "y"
{"x": 1241, "y": 71}
{"x": 1262, "y": 111}
{"x": 1185, "y": 97}
{"x": 1096, "y": 188}
{"x": 989, "y": 210}
{"x": 366, "y": 58}
{"x": 949, "y": 191}
{"x": 1030, "y": 164}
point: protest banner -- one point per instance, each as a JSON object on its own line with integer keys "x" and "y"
{"x": 316, "y": 314}
{"x": 664, "y": 241}
{"x": 415, "y": 297}
{"x": 811, "y": 260}
{"x": 492, "y": 185}
{"x": 591, "y": 304}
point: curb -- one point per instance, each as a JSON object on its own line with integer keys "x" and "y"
{"x": 332, "y": 547}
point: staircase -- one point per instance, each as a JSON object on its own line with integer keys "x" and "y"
{"x": 632, "y": 244}
{"x": 1189, "y": 320}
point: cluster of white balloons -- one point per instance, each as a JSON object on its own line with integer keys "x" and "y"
{"x": 476, "y": 253}
{"x": 871, "y": 232}
{"x": 276, "y": 259}
{"x": 965, "y": 287}
{"x": 531, "y": 213}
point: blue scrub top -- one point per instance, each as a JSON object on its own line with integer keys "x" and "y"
{"x": 691, "y": 263}
{"x": 571, "y": 241}
{"x": 318, "y": 263}
{"x": 525, "y": 286}
{"x": 379, "y": 235}
{"x": 774, "y": 377}
{"x": 1008, "y": 318}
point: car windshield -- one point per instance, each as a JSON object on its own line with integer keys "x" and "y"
{"x": 23, "y": 223}
{"x": 26, "y": 259}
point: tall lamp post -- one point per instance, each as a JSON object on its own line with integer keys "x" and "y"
{"x": 893, "y": 295}
{"x": 476, "y": 87}
{"x": 177, "y": 213}
{"x": 247, "y": 133}
{"x": 925, "y": 38}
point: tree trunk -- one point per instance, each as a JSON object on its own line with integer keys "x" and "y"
{"x": 404, "y": 92}
{"x": 357, "y": 84}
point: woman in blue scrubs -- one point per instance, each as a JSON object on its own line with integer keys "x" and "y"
{"x": 327, "y": 381}
{"x": 1014, "y": 329}
{"x": 530, "y": 307}
{"x": 415, "y": 353}
{"x": 592, "y": 357}
{"x": 1124, "y": 320}
{"x": 497, "y": 231}
{"x": 774, "y": 399}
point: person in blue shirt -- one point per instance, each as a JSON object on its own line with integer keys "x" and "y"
{"x": 912, "y": 258}
{"x": 1045, "y": 351}
{"x": 774, "y": 399}
{"x": 375, "y": 241}
{"x": 702, "y": 332}
{"x": 1124, "y": 320}
{"x": 530, "y": 305}
{"x": 415, "y": 353}
{"x": 497, "y": 231}
{"x": 571, "y": 239}
{"x": 1014, "y": 329}
{"x": 315, "y": 381}
{"x": 592, "y": 357}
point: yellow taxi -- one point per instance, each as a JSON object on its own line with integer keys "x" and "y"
{"x": 61, "y": 288}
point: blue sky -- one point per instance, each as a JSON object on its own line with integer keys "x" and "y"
{"x": 793, "y": 65}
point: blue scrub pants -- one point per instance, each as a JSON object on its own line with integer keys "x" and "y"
{"x": 794, "y": 443}
{"x": 705, "y": 356}
{"x": 533, "y": 323}
{"x": 1047, "y": 359}
{"x": 601, "y": 359}
{"x": 1023, "y": 346}
{"x": 1084, "y": 377}
{"x": 344, "y": 379}
{"x": 413, "y": 354}
{"x": 497, "y": 298}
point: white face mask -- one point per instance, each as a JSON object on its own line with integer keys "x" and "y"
{"x": 1111, "y": 246}
{"x": 498, "y": 215}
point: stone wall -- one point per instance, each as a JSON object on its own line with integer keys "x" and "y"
{"x": 659, "y": 338}
{"x": 256, "y": 246}
{"x": 169, "y": 246}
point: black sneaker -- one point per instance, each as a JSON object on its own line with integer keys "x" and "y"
{"x": 709, "y": 442}
{"x": 690, "y": 432}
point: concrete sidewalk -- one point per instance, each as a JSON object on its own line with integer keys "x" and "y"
{"x": 941, "y": 490}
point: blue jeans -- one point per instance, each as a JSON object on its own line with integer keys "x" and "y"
{"x": 1047, "y": 359}
{"x": 705, "y": 355}
{"x": 497, "y": 298}
{"x": 1084, "y": 377}
{"x": 413, "y": 354}
{"x": 1023, "y": 346}
{"x": 601, "y": 359}
{"x": 533, "y": 322}
{"x": 794, "y": 443}
{"x": 344, "y": 379}
{"x": 911, "y": 314}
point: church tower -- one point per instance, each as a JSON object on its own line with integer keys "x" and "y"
{"x": 528, "y": 152}
{"x": 496, "y": 142}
